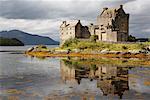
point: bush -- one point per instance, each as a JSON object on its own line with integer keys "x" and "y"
{"x": 69, "y": 42}
{"x": 93, "y": 38}
{"x": 124, "y": 47}
{"x": 131, "y": 38}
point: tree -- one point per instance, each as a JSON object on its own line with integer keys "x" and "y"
{"x": 131, "y": 38}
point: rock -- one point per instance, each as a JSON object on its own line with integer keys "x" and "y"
{"x": 62, "y": 51}
{"x": 144, "y": 51}
{"x": 118, "y": 52}
{"x": 38, "y": 48}
{"x": 77, "y": 50}
{"x": 125, "y": 53}
{"x": 105, "y": 51}
{"x": 139, "y": 51}
{"x": 134, "y": 51}
{"x": 147, "y": 48}
{"x": 94, "y": 52}
{"x": 30, "y": 49}
{"x": 148, "y": 53}
{"x": 114, "y": 52}
{"x": 41, "y": 46}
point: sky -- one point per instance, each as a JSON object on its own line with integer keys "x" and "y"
{"x": 43, "y": 17}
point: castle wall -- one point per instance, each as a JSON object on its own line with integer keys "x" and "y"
{"x": 85, "y": 32}
{"x": 78, "y": 31}
{"x": 66, "y": 33}
{"x": 112, "y": 36}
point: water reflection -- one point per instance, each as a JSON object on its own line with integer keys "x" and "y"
{"x": 72, "y": 79}
{"x": 111, "y": 79}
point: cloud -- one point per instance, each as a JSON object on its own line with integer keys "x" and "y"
{"x": 44, "y": 16}
{"x": 42, "y": 27}
{"x": 51, "y": 9}
{"x": 139, "y": 17}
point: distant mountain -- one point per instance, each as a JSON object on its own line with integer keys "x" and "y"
{"x": 28, "y": 39}
{"x": 10, "y": 42}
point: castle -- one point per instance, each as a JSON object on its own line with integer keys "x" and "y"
{"x": 112, "y": 26}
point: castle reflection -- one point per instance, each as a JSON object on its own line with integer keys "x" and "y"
{"x": 111, "y": 79}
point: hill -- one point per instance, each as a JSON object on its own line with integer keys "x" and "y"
{"x": 10, "y": 42}
{"x": 28, "y": 39}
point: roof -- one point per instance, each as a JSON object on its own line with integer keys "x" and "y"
{"x": 111, "y": 11}
{"x": 70, "y": 23}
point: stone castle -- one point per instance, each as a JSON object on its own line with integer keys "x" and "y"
{"x": 112, "y": 26}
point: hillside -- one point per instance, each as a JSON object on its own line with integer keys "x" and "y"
{"x": 10, "y": 42}
{"x": 28, "y": 39}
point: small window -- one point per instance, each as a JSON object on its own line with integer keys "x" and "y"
{"x": 102, "y": 28}
{"x": 70, "y": 32}
{"x": 62, "y": 33}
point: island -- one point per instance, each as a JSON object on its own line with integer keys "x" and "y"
{"x": 10, "y": 42}
{"x": 109, "y": 37}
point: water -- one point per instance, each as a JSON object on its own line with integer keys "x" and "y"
{"x": 28, "y": 78}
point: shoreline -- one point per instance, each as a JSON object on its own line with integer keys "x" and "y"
{"x": 86, "y": 55}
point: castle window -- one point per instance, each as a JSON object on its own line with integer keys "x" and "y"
{"x": 70, "y": 32}
{"x": 102, "y": 28}
{"x": 62, "y": 33}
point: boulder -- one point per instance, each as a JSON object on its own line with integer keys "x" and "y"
{"x": 114, "y": 52}
{"x": 134, "y": 51}
{"x": 76, "y": 50}
{"x": 30, "y": 49}
{"x": 38, "y": 48}
{"x": 105, "y": 51}
{"x": 147, "y": 48}
{"x": 62, "y": 51}
{"x": 139, "y": 51}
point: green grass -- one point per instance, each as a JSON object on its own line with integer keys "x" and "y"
{"x": 88, "y": 45}
{"x": 93, "y": 63}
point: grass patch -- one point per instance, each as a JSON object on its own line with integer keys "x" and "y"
{"x": 89, "y": 45}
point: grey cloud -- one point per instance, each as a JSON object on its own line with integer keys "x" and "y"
{"x": 36, "y": 9}
{"x": 22, "y": 9}
{"x": 86, "y": 10}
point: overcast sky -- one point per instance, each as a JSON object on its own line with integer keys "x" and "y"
{"x": 44, "y": 17}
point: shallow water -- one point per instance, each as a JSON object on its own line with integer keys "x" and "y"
{"x": 28, "y": 78}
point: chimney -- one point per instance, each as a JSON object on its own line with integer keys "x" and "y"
{"x": 105, "y": 8}
{"x": 64, "y": 22}
{"x": 121, "y": 6}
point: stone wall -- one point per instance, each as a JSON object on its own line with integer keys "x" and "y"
{"x": 66, "y": 33}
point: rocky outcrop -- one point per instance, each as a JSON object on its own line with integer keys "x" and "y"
{"x": 38, "y": 48}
